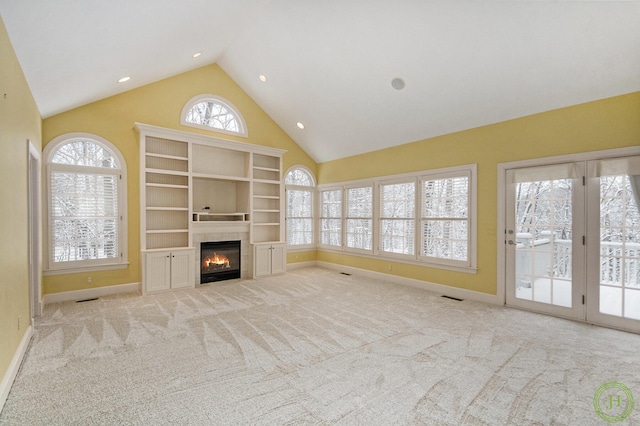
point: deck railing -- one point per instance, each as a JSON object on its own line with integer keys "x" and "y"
{"x": 551, "y": 257}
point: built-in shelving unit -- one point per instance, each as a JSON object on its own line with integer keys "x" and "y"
{"x": 166, "y": 193}
{"x": 267, "y": 197}
{"x": 190, "y": 179}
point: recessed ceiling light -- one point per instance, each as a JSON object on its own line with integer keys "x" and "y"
{"x": 300, "y": 125}
{"x": 123, "y": 79}
{"x": 263, "y": 78}
{"x": 397, "y": 83}
{"x": 195, "y": 55}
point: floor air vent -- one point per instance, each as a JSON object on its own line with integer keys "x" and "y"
{"x": 453, "y": 298}
{"x": 86, "y": 300}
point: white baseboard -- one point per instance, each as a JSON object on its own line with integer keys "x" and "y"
{"x": 16, "y": 361}
{"x": 440, "y": 289}
{"x": 300, "y": 265}
{"x": 90, "y": 293}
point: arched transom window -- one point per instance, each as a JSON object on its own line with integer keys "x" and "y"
{"x": 86, "y": 181}
{"x": 300, "y": 187}
{"x": 213, "y": 113}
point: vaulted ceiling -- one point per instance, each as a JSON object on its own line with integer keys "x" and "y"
{"x": 330, "y": 64}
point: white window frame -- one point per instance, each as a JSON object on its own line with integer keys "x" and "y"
{"x": 312, "y": 190}
{"x": 381, "y": 218}
{"x": 321, "y": 218}
{"x": 244, "y": 132}
{"x": 468, "y": 266}
{"x": 347, "y": 218}
{"x": 120, "y": 262}
{"x": 470, "y": 173}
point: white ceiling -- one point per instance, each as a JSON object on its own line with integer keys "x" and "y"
{"x": 330, "y": 63}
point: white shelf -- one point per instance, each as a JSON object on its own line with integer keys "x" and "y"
{"x": 169, "y": 157}
{"x": 167, "y": 185}
{"x": 168, "y": 209}
{"x": 220, "y": 177}
{"x": 167, "y": 172}
{"x": 220, "y": 217}
{"x": 266, "y": 169}
{"x": 166, "y": 231}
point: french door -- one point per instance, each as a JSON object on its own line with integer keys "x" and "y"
{"x": 572, "y": 240}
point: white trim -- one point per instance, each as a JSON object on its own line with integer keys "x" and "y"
{"x": 14, "y": 366}
{"x": 440, "y": 289}
{"x": 301, "y": 265}
{"x": 91, "y": 268}
{"x": 244, "y": 131}
{"x": 90, "y": 293}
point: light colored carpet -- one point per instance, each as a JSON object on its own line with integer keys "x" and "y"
{"x": 313, "y": 347}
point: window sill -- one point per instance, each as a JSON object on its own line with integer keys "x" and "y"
{"x": 93, "y": 268}
{"x": 426, "y": 264}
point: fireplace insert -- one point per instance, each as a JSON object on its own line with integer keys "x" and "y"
{"x": 219, "y": 261}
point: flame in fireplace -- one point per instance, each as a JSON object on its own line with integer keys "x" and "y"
{"x": 216, "y": 262}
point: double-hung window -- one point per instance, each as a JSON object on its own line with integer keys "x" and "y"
{"x": 86, "y": 178}
{"x": 359, "y": 218}
{"x": 397, "y": 217}
{"x": 425, "y": 218}
{"x": 331, "y": 218}
{"x": 447, "y": 210}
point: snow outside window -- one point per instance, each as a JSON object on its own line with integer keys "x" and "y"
{"x": 445, "y": 218}
{"x": 331, "y": 218}
{"x": 397, "y": 217}
{"x": 85, "y": 209}
{"x": 359, "y": 218}
{"x": 213, "y": 113}
{"x": 299, "y": 189}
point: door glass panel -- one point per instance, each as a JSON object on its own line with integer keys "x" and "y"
{"x": 544, "y": 241}
{"x": 620, "y": 246}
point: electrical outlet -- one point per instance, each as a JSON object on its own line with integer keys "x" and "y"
{"x": 390, "y": 267}
{"x": 88, "y": 279}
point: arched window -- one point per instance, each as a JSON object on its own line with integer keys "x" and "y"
{"x": 213, "y": 113}
{"x": 300, "y": 187}
{"x": 86, "y": 184}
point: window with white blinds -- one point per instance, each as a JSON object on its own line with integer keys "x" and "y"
{"x": 426, "y": 217}
{"x": 299, "y": 187}
{"x": 445, "y": 217}
{"x": 331, "y": 217}
{"x": 397, "y": 217}
{"x": 359, "y": 218}
{"x": 86, "y": 213}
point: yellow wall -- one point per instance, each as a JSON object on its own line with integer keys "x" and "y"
{"x": 604, "y": 124}
{"x": 19, "y": 120}
{"x": 159, "y": 104}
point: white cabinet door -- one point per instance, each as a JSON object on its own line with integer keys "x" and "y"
{"x": 269, "y": 259}
{"x": 167, "y": 270}
{"x": 157, "y": 272}
{"x": 182, "y": 269}
{"x": 262, "y": 260}
{"x": 278, "y": 258}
